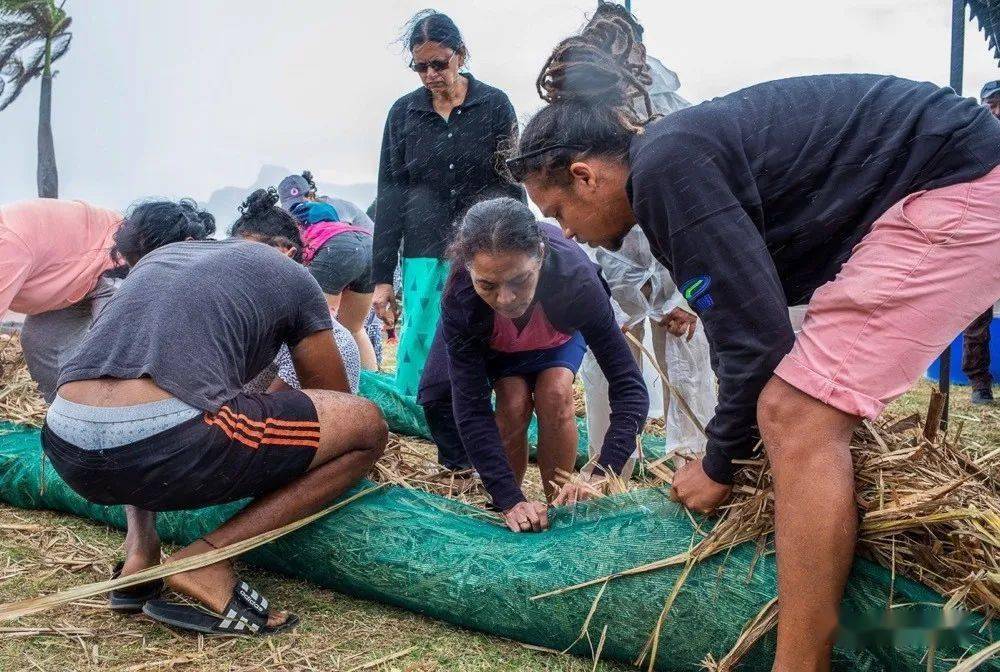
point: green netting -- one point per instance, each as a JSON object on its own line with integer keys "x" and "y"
{"x": 437, "y": 557}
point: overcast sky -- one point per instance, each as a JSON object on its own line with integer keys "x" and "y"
{"x": 181, "y": 97}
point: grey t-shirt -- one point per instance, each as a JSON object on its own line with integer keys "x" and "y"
{"x": 201, "y": 318}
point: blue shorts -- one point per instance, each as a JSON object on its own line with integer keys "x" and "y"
{"x": 530, "y": 363}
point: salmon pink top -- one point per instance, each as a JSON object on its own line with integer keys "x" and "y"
{"x": 538, "y": 333}
{"x": 52, "y": 252}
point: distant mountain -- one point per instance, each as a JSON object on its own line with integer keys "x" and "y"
{"x": 223, "y": 203}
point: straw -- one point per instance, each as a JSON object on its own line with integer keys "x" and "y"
{"x": 15, "y": 610}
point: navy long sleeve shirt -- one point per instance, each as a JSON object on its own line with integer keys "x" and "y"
{"x": 431, "y": 170}
{"x": 755, "y": 199}
{"x": 575, "y": 298}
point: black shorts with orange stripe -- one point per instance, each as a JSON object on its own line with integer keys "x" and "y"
{"x": 253, "y": 445}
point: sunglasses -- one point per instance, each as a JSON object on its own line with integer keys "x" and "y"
{"x": 437, "y": 65}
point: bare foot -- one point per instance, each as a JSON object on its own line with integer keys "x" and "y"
{"x": 212, "y": 585}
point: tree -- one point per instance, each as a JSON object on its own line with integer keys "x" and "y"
{"x": 34, "y": 34}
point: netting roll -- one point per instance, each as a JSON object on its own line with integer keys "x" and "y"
{"x": 437, "y": 557}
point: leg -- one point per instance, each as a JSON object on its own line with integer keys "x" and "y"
{"x": 333, "y": 301}
{"x": 444, "y": 430}
{"x": 513, "y": 414}
{"x": 867, "y": 336}
{"x": 354, "y": 308}
{"x": 142, "y": 543}
{"x": 976, "y": 352}
{"x": 48, "y": 339}
{"x": 557, "y": 434}
{"x": 807, "y": 444}
{"x": 353, "y": 435}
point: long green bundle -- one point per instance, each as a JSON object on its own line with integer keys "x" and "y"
{"x": 428, "y": 554}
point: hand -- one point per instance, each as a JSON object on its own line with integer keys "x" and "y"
{"x": 696, "y": 490}
{"x": 384, "y": 301}
{"x": 580, "y": 489}
{"x": 679, "y": 321}
{"x": 311, "y": 212}
{"x": 527, "y": 517}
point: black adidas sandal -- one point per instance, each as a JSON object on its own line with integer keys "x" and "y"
{"x": 246, "y": 614}
{"x": 131, "y": 600}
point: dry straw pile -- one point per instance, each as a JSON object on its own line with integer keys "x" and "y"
{"x": 19, "y": 400}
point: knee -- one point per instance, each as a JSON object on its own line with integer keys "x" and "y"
{"x": 515, "y": 411}
{"x": 555, "y": 403}
{"x": 375, "y": 430}
{"x": 776, "y": 419}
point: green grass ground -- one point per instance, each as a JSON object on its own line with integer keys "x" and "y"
{"x": 41, "y": 552}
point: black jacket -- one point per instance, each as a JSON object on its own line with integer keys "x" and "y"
{"x": 755, "y": 199}
{"x": 432, "y": 170}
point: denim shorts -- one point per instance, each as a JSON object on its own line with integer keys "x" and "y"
{"x": 344, "y": 262}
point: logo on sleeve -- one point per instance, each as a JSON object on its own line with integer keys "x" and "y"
{"x": 695, "y": 292}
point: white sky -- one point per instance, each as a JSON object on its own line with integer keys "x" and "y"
{"x": 180, "y": 97}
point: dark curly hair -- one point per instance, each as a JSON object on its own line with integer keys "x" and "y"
{"x": 152, "y": 224}
{"x": 591, "y": 83}
{"x": 495, "y": 226}
{"x": 262, "y": 220}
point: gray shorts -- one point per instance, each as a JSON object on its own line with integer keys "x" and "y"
{"x": 344, "y": 262}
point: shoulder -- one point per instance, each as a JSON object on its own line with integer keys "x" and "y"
{"x": 494, "y": 96}
{"x": 570, "y": 275}
{"x": 403, "y": 103}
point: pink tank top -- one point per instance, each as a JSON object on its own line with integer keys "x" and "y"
{"x": 538, "y": 333}
{"x": 313, "y": 237}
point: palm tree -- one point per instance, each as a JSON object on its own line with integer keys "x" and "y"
{"x": 34, "y": 34}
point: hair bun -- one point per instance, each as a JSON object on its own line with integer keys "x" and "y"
{"x": 259, "y": 202}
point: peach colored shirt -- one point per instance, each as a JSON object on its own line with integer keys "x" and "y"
{"x": 52, "y": 252}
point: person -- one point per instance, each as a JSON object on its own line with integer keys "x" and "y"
{"x": 337, "y": 240}
{"x": 352, "y": 214}
{"x": 56, "y": 268}
{"x": 872, "y": 198}
{"x": 153, "y": 417}
{"x": 646, "y": 292}
{"x": 520, "y": 307}
{"x": 440, "y": 154}
{"x": 262, "y": 221}
{"x": 976, "y": 337}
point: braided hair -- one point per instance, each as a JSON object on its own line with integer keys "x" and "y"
{"x": 592, "y": 82}
{"x": 262, "y": 220}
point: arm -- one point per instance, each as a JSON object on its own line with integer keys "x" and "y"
{"x": 318, "y": 364}
{"x": 391, "y": 199}
{"x": 472, "y": 401}
{"x": 15, "y": 265}
{"x": 746, "y": 321}
{"x": 626, "y": 388}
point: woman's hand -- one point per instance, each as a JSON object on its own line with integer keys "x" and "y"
{"x": 680, "y": 322}
{"x": 384, "y": 301}
{"x": 527, "y": 517}
{"x": 693, "y": 488}
{"x": 580, "y": 489}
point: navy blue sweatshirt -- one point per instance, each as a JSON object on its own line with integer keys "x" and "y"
{"x": 755, "y": 199}
{"x": 575, "y": 298}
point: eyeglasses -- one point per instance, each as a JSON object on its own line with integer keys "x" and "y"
{"x": 516, "y": 164}
{"x": 437, "y": 65}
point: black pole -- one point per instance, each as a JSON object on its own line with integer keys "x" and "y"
{"x": 957, "y": 71}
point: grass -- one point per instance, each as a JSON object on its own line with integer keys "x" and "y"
{"x": 41, "y": 552}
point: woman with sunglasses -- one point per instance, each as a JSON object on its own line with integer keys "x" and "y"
{"x": 439, "y": 156}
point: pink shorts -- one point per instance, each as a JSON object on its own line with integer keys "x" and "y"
{"x": 927, "y": 268}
